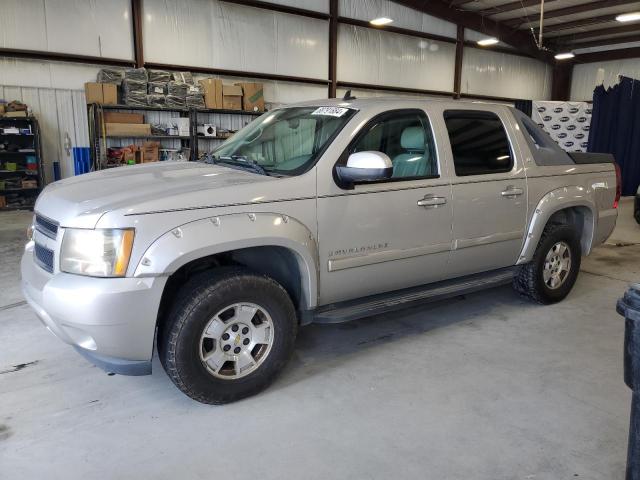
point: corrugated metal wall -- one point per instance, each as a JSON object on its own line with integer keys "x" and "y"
{"x": 60, "y": 113}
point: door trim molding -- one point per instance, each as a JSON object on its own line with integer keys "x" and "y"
{"x": 460, "y": 243}
{"x": 336, "y": 264}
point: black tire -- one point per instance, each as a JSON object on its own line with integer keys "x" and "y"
{"x": 529, "y": 280}
{"x": 198, "y": 301}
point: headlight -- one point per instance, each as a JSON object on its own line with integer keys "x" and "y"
{"x": 98, "y": 253}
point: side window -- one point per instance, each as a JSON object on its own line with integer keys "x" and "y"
{"x": 406, "y": 138}
{"x": 479, "y": 142}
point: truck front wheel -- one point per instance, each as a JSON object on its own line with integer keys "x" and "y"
{"x": 228, "y": 336}
{"x": 552, "y": 272}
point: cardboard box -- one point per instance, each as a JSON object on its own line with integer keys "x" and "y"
{"x": 232, "y": 97}
{"x": 2, "y": 110}
{"x": 93, "y": 92}
{"x": 3, "y": 202}
{"x": 252, "y": 97}
{"x": 109, "y": 94}
{"x": 128, "y": 129}
{"x": 212, "y": 92}
{"x": 15, "y": 114}
{"x": 118, "y": 117}
{"x": 150, "y": 152}
{"x": 103, "y": 93}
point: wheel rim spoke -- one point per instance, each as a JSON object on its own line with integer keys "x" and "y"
{"x": 215, "y": 329}
{"x": 261, "y": 333}
{"x": 245, "y": 313}
{"x": 243, "y": 360}
{"x": 215, "y": 360}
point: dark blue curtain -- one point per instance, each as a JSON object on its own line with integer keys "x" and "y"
{"x": 615, "y": 128}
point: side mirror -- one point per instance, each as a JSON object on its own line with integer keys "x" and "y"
{"x": 365, "y": 167}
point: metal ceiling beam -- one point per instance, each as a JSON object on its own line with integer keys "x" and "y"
{"x": 509, "y": 7}
{"x": 608, "y": 55}
{"x": 585, "y": 22}
{"x": 563, "y": 12}
{"x": 633, "y": 28}
{"x": 602, "y": 42}
{"x": 457, "y": 3}
{"x": 521, "y": 40}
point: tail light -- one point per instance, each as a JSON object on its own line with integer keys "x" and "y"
{"x": 618, "y": 185}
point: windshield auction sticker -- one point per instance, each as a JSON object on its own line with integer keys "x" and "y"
{"x": 330, "y": 111}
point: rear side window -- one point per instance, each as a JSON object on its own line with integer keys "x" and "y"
{"x": 479, "y": 142}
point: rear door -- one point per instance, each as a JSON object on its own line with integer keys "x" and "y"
{"x": 489, "y": 191}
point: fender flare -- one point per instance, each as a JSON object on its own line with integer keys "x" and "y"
{"x": 551, "y": 203}
{"x": 224, "y": 233}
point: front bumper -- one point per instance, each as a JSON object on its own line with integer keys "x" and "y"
{"x": 110, "y": 321}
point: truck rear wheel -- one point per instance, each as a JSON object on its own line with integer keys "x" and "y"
{"x": 552, "y": 272}
{"x": 228, "y": 336}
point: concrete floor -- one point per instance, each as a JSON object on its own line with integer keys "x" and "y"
{"x": 485, "y": 387}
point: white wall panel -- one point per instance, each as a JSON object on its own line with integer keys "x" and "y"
{"x": 402, "y": 16}
{"x": 208, "y": 33}
{"x": 587, "y": 76}
{"x": 383, "y": 58}
{"x": 503, "y": 75}
{"x": 84, "y": 27}
{"x": 37, "y": 73}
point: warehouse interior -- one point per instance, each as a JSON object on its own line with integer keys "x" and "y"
{"x": 481, "y": 384}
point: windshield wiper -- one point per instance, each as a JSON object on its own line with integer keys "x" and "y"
{"x": 238, "y": 161}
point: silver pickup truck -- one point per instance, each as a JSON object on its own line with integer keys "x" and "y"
{"x": 323, "y": 211}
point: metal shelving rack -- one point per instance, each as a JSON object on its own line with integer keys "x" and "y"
{"x": 24, "y": 141}
{"x": 96, "y": 138}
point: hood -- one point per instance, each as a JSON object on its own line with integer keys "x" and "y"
{"x": 81, "y": 201}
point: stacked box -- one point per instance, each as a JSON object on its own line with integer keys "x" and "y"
{"x": 134, "y": 92}
{"x": 159, "y": 76}
{"x": 177, "y": 95}
{"x": 183, "y": 77}
{"x": 111, "y": 75}
{"x": 195, "y": 96}
{"x": 157, "y": 88}
{"x": 137, "y": 74}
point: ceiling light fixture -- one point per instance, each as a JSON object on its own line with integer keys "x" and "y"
{"x": 628, "y": 17}
{"x": 564, "y": 56}
{"x": 381, "y": 21}
{"x": 485, "y": 42}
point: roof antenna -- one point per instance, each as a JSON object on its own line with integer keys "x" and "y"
{"x": 348, "y": 96}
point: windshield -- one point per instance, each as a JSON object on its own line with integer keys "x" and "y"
{"x": 287, "y": 141}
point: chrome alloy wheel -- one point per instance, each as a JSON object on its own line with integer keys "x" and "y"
{"x": 236, "y": 341}
{"x": 557, "y": 265}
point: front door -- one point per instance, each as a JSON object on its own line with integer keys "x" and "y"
{"x": 489, "y": 193}
{"x": 393, "y": 234}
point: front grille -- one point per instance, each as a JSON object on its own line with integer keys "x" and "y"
{"x": 46, "y": 227}
{"x": 43, "y": 257}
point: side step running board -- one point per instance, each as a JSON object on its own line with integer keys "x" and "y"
{"x": 386, "y": 302}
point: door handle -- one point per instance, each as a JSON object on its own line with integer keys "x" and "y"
{"x": 511, "y": 191}
{"x": 431, "y": 201}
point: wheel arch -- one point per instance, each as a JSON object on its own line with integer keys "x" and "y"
{"x": 267, "y": 243}
{"x": 567, "y": 205}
